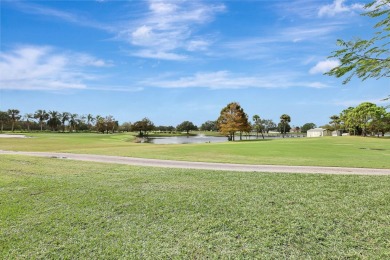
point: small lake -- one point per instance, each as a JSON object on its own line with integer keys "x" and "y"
{"x": 185, "y": 139}
{"x": 203, "y": 139}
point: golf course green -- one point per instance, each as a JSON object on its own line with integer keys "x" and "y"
{"x": 52, "y": 208}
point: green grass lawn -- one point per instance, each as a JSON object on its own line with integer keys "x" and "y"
{"x": 54, "y": 209}
{"x": 329, "y": 151}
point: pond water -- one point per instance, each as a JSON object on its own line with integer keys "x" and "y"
{"x": 185, "y": 139}
{"x": 203, "y": 139}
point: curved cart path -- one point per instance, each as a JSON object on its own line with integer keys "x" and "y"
{"x": 204, "y": 165}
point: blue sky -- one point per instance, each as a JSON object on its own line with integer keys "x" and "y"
{"x": 181, "y": 60}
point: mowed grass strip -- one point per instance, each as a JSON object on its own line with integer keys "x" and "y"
{"x": 51, "y": 208}
{"x": 329, "y": 151}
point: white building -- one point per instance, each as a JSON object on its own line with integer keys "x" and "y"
{"x": 337, "y": 133}
{"x": 318, "y": 132}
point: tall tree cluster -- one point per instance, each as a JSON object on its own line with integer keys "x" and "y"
{"x": 54, "y": 121}
{"x": 366, "y": 118}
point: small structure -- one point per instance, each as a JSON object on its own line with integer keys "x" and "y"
{"x": 318, "y": 132}
{"x": 337, "y": 133}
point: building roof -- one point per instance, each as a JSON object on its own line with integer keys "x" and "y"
{"x": 317, "y": 130}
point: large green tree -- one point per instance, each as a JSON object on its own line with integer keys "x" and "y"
{"x": 348, "y": 121}
{"x": 186, "y": 126}
{"x": 143, "y": 126}
{"x": 380, "y": 125}
{"x": 366, "y": 115}
{"x": 366, "y": 58}
{"x": 209, "y": 126}
{"x": 307, "y": 127}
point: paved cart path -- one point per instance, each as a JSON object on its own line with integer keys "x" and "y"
{"x": 204, "y": 165}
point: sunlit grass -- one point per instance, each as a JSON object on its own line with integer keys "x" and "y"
{"x": 52, "y": 208}
{"x": 329, "y": 151}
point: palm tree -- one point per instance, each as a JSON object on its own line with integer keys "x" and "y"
{"x": 14, "y": 116}
{"x": 64, "y": 117}
{"x": 27, "y": 117}
{"x": 54, "y": 120}
{"x": 41, "y": 115}
{"x": 284, "y": 120}
{"x": 335, "y": 121}
{"x": 73, "y": 122}
{"x": 258, "y": 125}
{"x": 90, "y": 120}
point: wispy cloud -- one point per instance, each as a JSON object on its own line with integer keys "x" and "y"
{"x": 313, "y": 9}
{"x": 339, "y": 7}
{"x": 277, "y": 41}
{"x": 167, "y": 31}
{"x": 228, "y": 80}
{"x": 42, "y": 68}
{"x": 61, "y": 15}
{"x": 298, "y": 8}
{"x": 324, "y": 66}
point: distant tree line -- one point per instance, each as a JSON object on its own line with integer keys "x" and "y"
{"x": 55, "y": 121}
{"x": 365, "y": 119}
{"x": 232, "y": 120}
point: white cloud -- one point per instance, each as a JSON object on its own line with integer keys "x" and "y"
{"x": 194, "y": 45}
{"x": 42, "y": 68}
{"x": 161, "y": 55}
{"x": 324, "y": 66}
{"x": 88, "y": 60}
{"x": 81, "y": 20}
{"x": 162, "y": 7}
{"x": 338, "y": 7}
{"x": 227, "y": 80}
{"x": 168, "y": 29}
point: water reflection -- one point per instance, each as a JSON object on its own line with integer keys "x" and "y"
{"x": 185, "y": 139}
{"x": 208, "y": 139}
